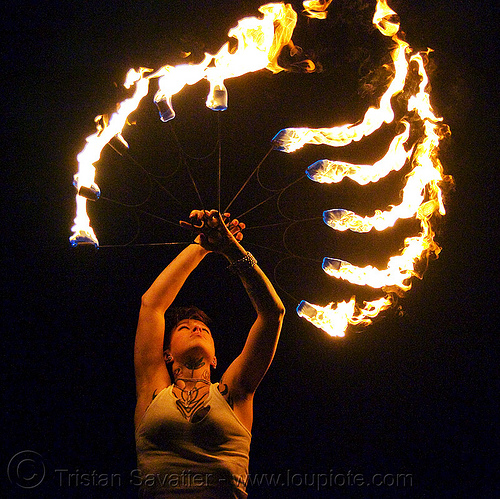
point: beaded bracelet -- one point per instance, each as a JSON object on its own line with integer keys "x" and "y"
{"x": 243, "y": 264}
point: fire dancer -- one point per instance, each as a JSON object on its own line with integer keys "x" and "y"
{"x": 192, "y": 435}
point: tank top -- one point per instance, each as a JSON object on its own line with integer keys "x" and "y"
{"x": 177, "y": 458}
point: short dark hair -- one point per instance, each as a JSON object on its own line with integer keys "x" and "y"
{"x": 174, "y": 315}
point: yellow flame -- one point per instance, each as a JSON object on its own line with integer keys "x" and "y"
{"x": 384, "y": 19}
{"x": 335, "y": 318}
{"x": 259, "y": 44}
{"x": 316, "y": 9}
{"x": 172, "y": 79}
{"x": 327, "y": 172}
{"x": 82, "y": 231}
{"x": 414, "y": 191}
{"x": 421, "y": 196}
{"x": 291, "y": 139}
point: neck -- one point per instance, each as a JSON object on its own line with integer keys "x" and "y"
{"x": 192, "y": 367}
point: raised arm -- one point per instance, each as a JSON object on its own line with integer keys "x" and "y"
{"x": 248, "y": 369}
{"x": 245, "y": 373}
{"x": 150, "y": 370}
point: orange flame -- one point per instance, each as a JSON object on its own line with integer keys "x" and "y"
{"x": 316, "y": 9}
{"x": 82, "y": 231}
{"x": 421, "y": 196}
{"x": 259, "y": 43}
{"x": 291, "y": 139}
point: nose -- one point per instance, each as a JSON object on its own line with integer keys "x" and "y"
{"x": 197, "y": 329}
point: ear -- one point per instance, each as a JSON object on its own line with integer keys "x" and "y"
{"x": 214, "y": 362}
{"x": 168, "y": 356}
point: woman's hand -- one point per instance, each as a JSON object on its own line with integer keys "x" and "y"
{"x": 215, "y": 232}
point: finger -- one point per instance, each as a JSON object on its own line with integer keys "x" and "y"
{"x": 196, "y": 214}
{"x": 196, "y": 219}
{"x": 237, "y": 222}
{"x": 197, "y": 224}
{"x": 190, "y": 225}
{"x": 236, "y": 227}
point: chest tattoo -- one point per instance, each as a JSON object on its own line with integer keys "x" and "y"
{"x": 191, "y": 402}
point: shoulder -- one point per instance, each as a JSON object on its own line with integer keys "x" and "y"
{"x": 241, "y": 403}
{"x": 224, "y": 391}
{"x": 145, "y": 397}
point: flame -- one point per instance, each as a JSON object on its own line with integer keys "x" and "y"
{"x": 82, "y": 231}
{"x": 259, "y": 43}
{"x": 335, "y": 318}
{"x": 327, "y": 172}
{"x": 384, "y": 19}
{"x": 291, "y": 139}
{"x": 316, "y": 9}
{"x": 421, "y": 195}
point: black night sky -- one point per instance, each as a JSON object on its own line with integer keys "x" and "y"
{"x": 414, "y": 394}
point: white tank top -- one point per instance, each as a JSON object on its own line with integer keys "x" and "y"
{"x": 207, "y": 459}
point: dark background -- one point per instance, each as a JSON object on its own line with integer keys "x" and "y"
{"x": 413, "y": 394}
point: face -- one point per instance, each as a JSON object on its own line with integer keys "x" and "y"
{"x": 191, "y": 335}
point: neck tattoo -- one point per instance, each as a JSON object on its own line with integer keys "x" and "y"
{"x": 191, "y": 401}
{"x": 193, "y": 364}
{"x": 187, "y": 370}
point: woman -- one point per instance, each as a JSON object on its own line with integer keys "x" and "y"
{"x": 192, "y": 436}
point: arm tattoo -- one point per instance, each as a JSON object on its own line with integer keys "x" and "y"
{"x": 224, "y": 391}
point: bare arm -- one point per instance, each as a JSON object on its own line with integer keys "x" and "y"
{"x": 245, "y": 373}
{"x": 150, "y": 370}
{"x": 248, "y": 369}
